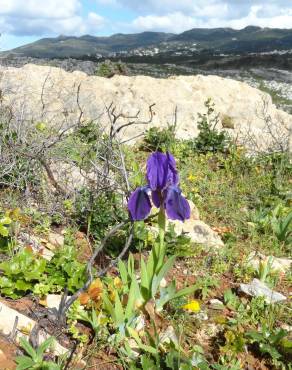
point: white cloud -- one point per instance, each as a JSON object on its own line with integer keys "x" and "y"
{"x": 51, "y": 17}
{"x": 218, "y": 14}
{"x": 174, "y": 22}
{"x": 50, "y": 9}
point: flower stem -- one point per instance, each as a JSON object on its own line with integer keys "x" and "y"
{"x": 161, "y": 226}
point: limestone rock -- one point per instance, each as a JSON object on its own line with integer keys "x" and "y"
{"x": 54, "y": 300}
{"x": 48, "y": 94}
{"x": 31, "y": 241}
{"x": 277, "y": 264}
{"x": 195, "y": 215}
{"x": 259, "y": 289}
{"x": 56, "y": 239}
{"x": 216, "y": 304}
{"x": 198, "y": 232}
{"x": 23, "y": 328}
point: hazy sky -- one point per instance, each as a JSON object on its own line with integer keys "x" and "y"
{"x": 23, "y": 21}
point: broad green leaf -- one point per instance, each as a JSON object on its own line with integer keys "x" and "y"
{"x": 144, "y": 274}
{"x": 123, "y": 272}
{"x": 133, "y": 296}
{"x": 28, "y": 348}
{"x": 24, "y": 362}
{"x": 185, "y": 291}
{"x": 144, "y": 347}
{"x": 164, "y": 270}
{"x": 119, "y": 311}
{"x": 108, "y": 306}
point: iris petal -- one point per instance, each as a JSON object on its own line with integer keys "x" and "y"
{"x": 157, "y": 171}
{"x": 172, "y": 177}
{"x": 176, "y": 206}
{"x": 156, "y": 198}
{"x": 139, "y": 204}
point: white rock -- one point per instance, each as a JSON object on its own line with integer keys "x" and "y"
{"x": 56, "y": 239}
{"x": 216, "y": 304}
{"x": 27, "y": 88}
{"x": 195, "y": 215}
{"x": 168, "y": 336}
{"x": 198, "y": 232}
{"x": 277, "y": 264}
{"x": 258, "y": 289}
{"x": 36, "y": 245}
{"x": 24, "y": 326}
{"x": 54, "y": 300}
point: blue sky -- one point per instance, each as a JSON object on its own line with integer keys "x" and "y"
{"x": 24, "y": 21}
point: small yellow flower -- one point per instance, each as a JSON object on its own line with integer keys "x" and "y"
{"x": 193, "y": 306}
{"x": 191, "y": 177}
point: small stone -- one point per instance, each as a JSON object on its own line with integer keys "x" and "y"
{"x": 54, "y": 300}
{"x": 24, "y": 326}
{"x": 56, "y": 239}
{"x": 198, "y": 232}
{"x": 202, "y": 316}
{"x": 215, "y": 304}
{"x": 277, "y": 264}
{"x": 163, "y": 283}
{"x": 168, "y": 336}
{"x": 258, "y": 289}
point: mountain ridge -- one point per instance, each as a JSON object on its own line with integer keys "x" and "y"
{"x": 248, "y": 39}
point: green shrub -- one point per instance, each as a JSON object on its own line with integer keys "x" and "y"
{"x": 97, "y": 213}
{"x": 209, "y": 138}
{"x": 108, "y": 69}
{"x": 161, "y": 139}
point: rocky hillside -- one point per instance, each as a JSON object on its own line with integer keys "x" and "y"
{"x": 53, "y": 95}
{"x": 249, "y": 39}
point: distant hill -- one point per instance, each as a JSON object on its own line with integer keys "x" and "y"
{"x": 225, "y": 40}
{"x": 71, "y": 46}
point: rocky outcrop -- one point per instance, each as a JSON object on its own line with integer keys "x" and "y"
{"x": 58, "y": 97}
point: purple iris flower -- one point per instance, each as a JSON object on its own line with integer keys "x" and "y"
{"x": 163, "y": 180}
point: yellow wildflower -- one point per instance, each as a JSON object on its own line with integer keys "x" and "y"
{"x": 193, "y": 306}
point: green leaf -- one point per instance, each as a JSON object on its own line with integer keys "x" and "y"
{"x": 28, "y": 348}
{"x": 3, "y": 231}
{"x": 108, "y": 306}
{"x": 164, "y": 270}
{"x": 133, "y": 296}
{"x": 5, "y": 221}
{"x": 119, "y": 311}
{"x": 24, "y": 362}
{"x": 145, "y": 281}
{"x": 45, "y": 346}
{"x": 123, "y": 272}
{"x": 144, "y": 347}
{"x": 185, "y": 291}
{"x": 147, "y": 363}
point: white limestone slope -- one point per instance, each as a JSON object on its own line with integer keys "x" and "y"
{"x": 50, "y": 94}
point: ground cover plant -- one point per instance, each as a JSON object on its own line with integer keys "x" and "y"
{"x": 133, "y": 293}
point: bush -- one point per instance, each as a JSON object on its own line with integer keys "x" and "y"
{"x": 109, "y": 69}
{"x": 159, "y": 139}
{"x": 209, "y": 138}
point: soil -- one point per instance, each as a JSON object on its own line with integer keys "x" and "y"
{"x": 7, "y": 354}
